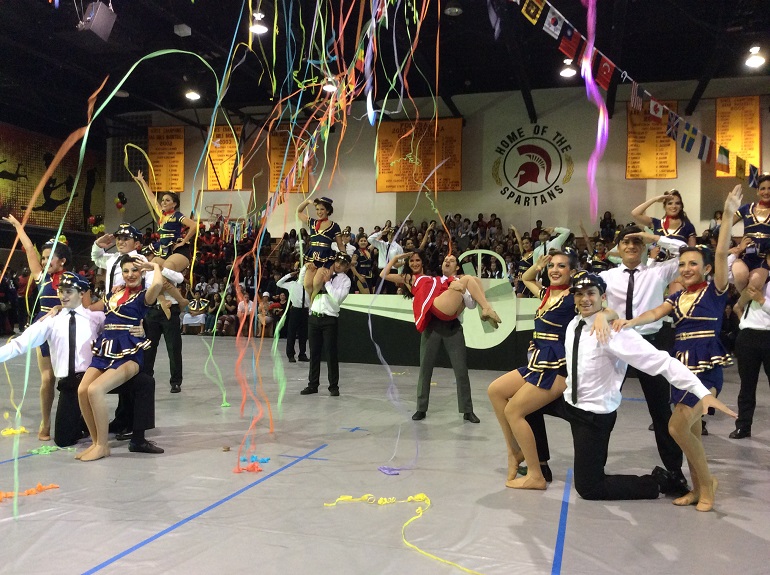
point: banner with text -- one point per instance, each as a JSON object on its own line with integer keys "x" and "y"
{"x": 165, "y": 147}
{"x": 222, "y": 156}
{"x": 650, "y": 153}
{"x": 407, "y": 152}
{"x": 285, "y": 164}
{"x": 738, "y": 130}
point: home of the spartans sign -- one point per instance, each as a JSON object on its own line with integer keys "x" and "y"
{"x": 532, "y": 165}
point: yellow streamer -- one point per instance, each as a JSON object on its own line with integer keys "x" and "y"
{"x": 420, "y": 498}
{"x": 11, "y": 431}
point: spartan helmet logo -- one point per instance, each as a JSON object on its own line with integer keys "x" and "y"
{"x": 537, "y": 161}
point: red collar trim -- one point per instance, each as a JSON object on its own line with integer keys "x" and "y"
{"x": 696, "y": 287}
{"x": 318, "y": 223}
{"x": 55, "y": 277}
{"x": 548, "y": 291}
{"x": 764, "y": 204}
{"x": 127, "y": 293}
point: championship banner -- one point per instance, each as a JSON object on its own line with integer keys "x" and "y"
{"x": 222, "y": 155}
{"x": 739, "y": 131}
{"x": 286, "y": 165}
{"x": 403, "y": 163}
{"x": 166, "y": 152}
{"x": 650, "y": 152}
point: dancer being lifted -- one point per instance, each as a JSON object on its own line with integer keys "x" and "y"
{"x": 431, "y": 296}
{"x": 323, "y": 232}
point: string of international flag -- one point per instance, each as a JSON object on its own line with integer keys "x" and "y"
{"x": 572, "y": 44}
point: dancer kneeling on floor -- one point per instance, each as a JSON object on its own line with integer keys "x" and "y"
{"x": 118, "y": 355}
{"x": 521, "y": 392}
{"x": 432, "y": 297}
{"x": 698, "y": 312}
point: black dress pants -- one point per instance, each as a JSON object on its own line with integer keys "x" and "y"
{"x": 752, "y": 350}
{"x": 296, "y": 330}
{"x": 322, "y": 336}
{"x": 155, "y": 325}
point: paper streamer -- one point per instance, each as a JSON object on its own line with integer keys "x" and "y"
{"x": 40, "y": 488}
{"x": 420, "y": 498}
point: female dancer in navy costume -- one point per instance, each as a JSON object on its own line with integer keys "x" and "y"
{"x": 525, "y": 390}
{"x": 698, "y": 312}
{"x": 752, "y": 267}
{"x": 363, "y": 265}
{"x": 57, "y": 259}
{"x": 675, "y": 223}
{"x": 323, "y": 232}
{"x": 118, "y": 355}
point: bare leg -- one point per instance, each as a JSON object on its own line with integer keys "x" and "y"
{"x": 47, "y": 380}
{"x": 684, "y": 423}
{"x": 473, "y": 285}
{"x": 97, "y": 398}
{"x": 318, "y": 283}
{"x": 85, "y": 406}
{"x": 757, "y": 278}
{"x": 309, "y": 279}
{"x": 527, "y": 400}
{"x": 740, "y": 274}
{"x": 499, "y": 392}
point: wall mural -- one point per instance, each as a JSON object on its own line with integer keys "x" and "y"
{"x": 24, "y": 157}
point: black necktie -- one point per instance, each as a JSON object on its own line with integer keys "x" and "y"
{"x": 73, "y": 345}
{"x": 111, "y": 279}
{"x": 630, "y": 293}
{"x": 575, "y": 343}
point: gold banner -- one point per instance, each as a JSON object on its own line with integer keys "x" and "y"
{"x": 286, "y": 163}
{"x": 166, "y": 151}
{"x": 738, "y": 130}
{"x": 650, "y": 154}
{"x": 222, "y": 155}
{"x": 406, "y": 157}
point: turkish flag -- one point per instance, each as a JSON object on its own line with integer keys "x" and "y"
{"x": 604, "y": 75}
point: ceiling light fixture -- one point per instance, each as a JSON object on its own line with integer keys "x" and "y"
{"x": 453, "y": 8}
{"x": 257, "y": 27}
{"x": 569, "y": 70}
{"x": 330, "y": 86}
{"x": 192, "y": 95}
{"x": 755, "y": 60}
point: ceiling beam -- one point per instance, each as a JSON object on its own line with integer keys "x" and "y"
{"x": 619, "y": 11}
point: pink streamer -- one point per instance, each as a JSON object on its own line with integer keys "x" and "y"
{"x": 592, "y": 91}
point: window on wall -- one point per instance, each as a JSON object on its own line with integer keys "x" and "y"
{"x": 137, "y": 137}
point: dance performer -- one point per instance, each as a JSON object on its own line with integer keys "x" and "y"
{"x": 675, "y": 224}
{"x": 523, "y": 391}
{"x": 324, "y": 232}
{"x": 752, "y": 267}
{"x": 118, "y": 355}
{"x": 431, "y": 297}
{"x": 56, "y": 259}
{"x": 698, "y": 313}
{"x": 361, "y": 265}
{"x": 525, "y": 262}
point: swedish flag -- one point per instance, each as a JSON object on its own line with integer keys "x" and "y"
{"x": 688, "y": 137}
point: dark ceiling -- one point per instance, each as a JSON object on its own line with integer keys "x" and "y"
{"x": 49, "y": 68}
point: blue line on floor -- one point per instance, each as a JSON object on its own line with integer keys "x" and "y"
{"x": 20, "y": 457}
{"x": 559, "y": 550}
{"x": 304, "y": 457}
{"x": 178, "y": 524}
{"x": 352, "y": 429}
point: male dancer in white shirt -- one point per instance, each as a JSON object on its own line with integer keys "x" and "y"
{"x": 595, "y": 373}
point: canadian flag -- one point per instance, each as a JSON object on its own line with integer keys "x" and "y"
{"x": 656, "y": 110}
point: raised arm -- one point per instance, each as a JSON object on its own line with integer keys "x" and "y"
{"x": 301, "y": 211}
{"x": 518, "y": 240}
{"x": 721, "y": 270}
{"x": 154, "y": 289}
{"x": 649, "y": 316}
{"x": 638, "y": 213}
{"x": 395, "y": 261}
{"x": 529, "y": 276}
{"x": 426, "y": 235}
{"x": 33, "y": 261}
{"x": 139, "y": 179}
{"x": 589, "y": 243}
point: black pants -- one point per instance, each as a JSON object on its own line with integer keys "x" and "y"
{"x": 296, "y": 329}
{"x": 451, "y": 334}
{"x": 752, "y": 350}
{"x": 155, "y": 325}
{"x": 322, "y": 336}
{"x": 591, "y": 438}
{"x": 69, "y": 425}
{"x": 657, "y": 392}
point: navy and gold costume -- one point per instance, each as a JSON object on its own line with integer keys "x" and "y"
{"x": 759, "y": 231}
{"x": 600, "y": 264}
{"x": 170, "y": 231}
{"x": 683, "y": 233}
{"x": 49, "y": 298}
{"x": 364, "y": 266}
{"x": 524, "y": 264}
{"x": 547, "y": 359}
{"x": 320, "y": 251}
{"x": 698, "y": 319}
{"x": 115, "y": 346}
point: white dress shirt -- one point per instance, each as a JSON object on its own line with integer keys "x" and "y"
{"x": 650, "y": 283}
{"x": 553, "y": 244}
{"x": 601, "y": 368}
{"x": 105, "y": 261}
{"x": 298, "y": 297}
{"x": 55, "y": 330}
{"x": 175, "y": 278}
{"x": 470, "y": 303}
{"x": 337, "y": 290}
{"x": 757, "y": 316}
{"x": 385, "y": 250}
